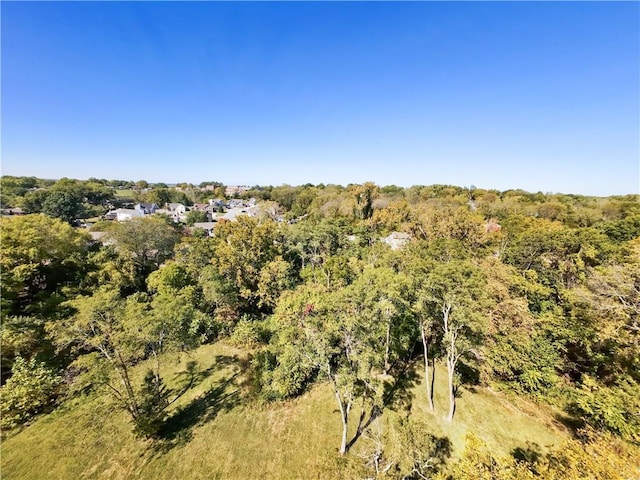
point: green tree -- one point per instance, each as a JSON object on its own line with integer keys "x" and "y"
{"x": 65, "y": 205}
{"x": 364, "y": 197}
{"x": 359, "y": 338}
{"x": 31, "y": 390}
{"x": 453, "y": 293}
{"x": 241, "y": 250}
{"x": 517, "y": 348}
{"x": 148, "y": 240}
{"x": 118, "y": 333}
{"x": 177, "y": 321}
{"x": 159, "y": 196}
{"x": 195, "y": 216}
{"x": 32, "y": 201}
{"x": 40, "y": 256}
{"x": 17, "y": 186}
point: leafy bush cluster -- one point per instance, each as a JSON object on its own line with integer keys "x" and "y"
{"x": 31, "y": 390}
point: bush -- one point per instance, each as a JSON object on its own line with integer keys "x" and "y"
{"x": 611, "y": 408}
{"x": 30, "y": 391}
{"x": 249, "y": 333}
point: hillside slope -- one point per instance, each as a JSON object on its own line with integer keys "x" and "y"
{"x": 216, "y": 431}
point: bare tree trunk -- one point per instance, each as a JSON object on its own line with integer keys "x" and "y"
{"x": 428, "y": 381}
{"x": 156, "y": 374}
{"x": 433, "y": 378}
{"x": 450, "y": 337}
{"x": 344, "y": 415}
{"x": 133, "y": 404}
{"x": 121, "y": 369}
{"x": 344, "y": 412}
{"x": 452, "y": 396}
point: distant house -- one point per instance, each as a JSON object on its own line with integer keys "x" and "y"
{"x": 110, "y": 215}
{"x": 177, "y": 211}
{"x": 232, "y": 190}
{"x": 200, "y": 207}
{"x": 234, "y": 212}
{"x": 146, "y": 208}
{"x": 177, "y": 208}
{"x": 206, "y": 226}
{"x": 125, "y": 214}
{"x": 236, "y": 202}
{"x": 397, "y": 240}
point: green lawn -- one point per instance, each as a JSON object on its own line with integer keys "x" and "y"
{"x": 126, "y": 193}
{"x": 216, "y": 431}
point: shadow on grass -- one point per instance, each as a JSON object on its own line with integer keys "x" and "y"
{"x": 222, "y": 396}
{"x": 178, "y": 429}
{"x": 571, "y": 423}
{"x": 530, "y": 453}
{"x": 192, "y": 375}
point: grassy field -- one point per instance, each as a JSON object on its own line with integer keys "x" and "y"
{"x": 126, "y": 193}
{"x": 216, "y": 431}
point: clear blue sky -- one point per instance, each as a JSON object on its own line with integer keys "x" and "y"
{"x": 541, "y": 96}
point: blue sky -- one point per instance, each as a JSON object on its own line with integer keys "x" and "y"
{"x": 542, "y": 96}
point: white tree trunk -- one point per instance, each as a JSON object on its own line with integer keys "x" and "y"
{"x": 344, "y": 416}
{"x": 452, "y": 397}
{"x": 344, "y": 411}
{"x": 450, "y": 335}
{"x": 427, "y": 379}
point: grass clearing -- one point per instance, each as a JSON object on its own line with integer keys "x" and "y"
{"x": 216, "y": 431}
{"x": 497, "y": 420}
{"x": 124, "y": 193}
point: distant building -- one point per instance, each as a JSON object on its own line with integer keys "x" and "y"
{"x": 232, "y": 190}
{"x": 206, "y": 226}
{"x": 232, "y": 213}
{"x": 397, "y": 240}
{"x": 146, "y": 208}
{"x": 125, "y": 214}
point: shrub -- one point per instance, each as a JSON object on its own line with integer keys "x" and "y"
{"x": 31, "y": 390}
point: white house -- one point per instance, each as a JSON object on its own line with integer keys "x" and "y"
{"x": 177, "y": 208}
{"x": 124, "y": 214}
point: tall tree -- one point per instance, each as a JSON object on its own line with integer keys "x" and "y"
{"x": 454, "y": 294}
{"x": 118, "y": 333}
{"x": 242, "y": 249}
{"x": 359, "y": 338}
